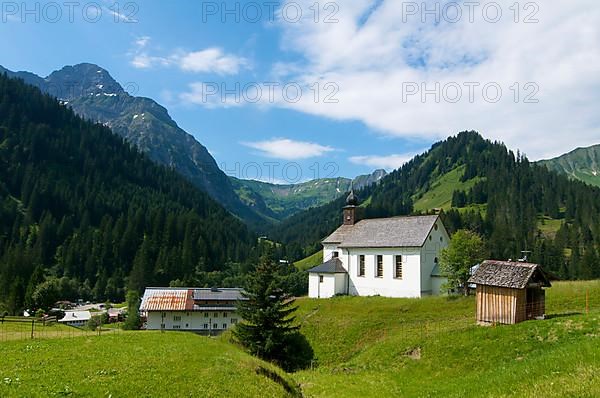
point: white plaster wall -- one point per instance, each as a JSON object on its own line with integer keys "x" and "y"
{"x": 191, "y": 320}
{"x": 435, "y": 242}
{"x": 313, "y": 285}
{"x": 388, "y": 286}
{"x": 328, "y": 250}
{"x": 436, "y": 285}
{"x": 324, "y": 289}
{"x": 340, "y": 284}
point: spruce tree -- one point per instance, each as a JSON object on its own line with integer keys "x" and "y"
{"x": 267, "y": 326}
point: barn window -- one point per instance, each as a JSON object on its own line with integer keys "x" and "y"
{"x": 206, "y": 326}
{"x": 398, "y": 267}
{"x": 379, "y": 270}
{"x": 336, "y": 254}
{"x": 215, "y": 326}
{"x": 206, "y": 314}
{"x": 320, "y": 278}
{"x": 441, "y": 238}
{"x": 361, "y": 265}
{"x": 224, "y": 315}
{"x": 176, "y": 319}
{"x": 176, "y": 326}
{"x": 224, "y": 326}
{"x": 435, "y": 227}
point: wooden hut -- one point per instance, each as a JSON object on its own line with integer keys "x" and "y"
{"x": 509, "y": 292}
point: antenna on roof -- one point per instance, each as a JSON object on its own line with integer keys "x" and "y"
{"x": 525, "y": 255}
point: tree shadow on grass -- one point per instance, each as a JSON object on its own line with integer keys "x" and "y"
{"x": 298, "y": 353}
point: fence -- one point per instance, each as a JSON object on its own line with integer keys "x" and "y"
{"x": 21, "y": 328}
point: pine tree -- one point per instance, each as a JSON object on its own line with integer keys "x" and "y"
{"x": 267, "y": 313}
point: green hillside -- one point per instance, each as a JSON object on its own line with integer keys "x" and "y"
{"x": 364, "y": 347}
{"x": 85, "y": 215}
{"x": 484, "y": 187}
{"x": 378, "y": 347}
{"x": 310, "y": 261}
{"x": 439, "y": 194}
{"x": 581, "y": 164}
{"x": 134, "y": 364}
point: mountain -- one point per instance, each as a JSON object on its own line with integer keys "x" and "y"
{"x": 283, "y": 201}
{"x": 93, "y": 94}
{"x": 84, "y": 214}
{"x": 581, "y": 164}
{"x": 480, "y": 185}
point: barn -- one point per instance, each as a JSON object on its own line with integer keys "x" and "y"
{"x": 509, "y": 292}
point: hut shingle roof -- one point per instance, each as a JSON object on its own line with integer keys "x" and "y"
{"x": 508, "y": 274}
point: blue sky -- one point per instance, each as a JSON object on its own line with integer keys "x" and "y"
{"x": 376, "y": 58}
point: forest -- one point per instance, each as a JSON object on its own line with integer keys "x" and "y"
{"x": 85, "y": 215}
{"x": 509, "y": 206}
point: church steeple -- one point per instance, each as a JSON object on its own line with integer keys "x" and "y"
{"x": 350, "y": 208}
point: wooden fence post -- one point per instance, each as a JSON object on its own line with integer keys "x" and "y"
{"x": 32, "y": 326}
{"x": 587, "y": 302}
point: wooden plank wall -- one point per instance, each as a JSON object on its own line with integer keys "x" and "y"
{"x": 499, "y": 304}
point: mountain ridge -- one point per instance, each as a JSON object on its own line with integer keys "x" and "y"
{"x": 582, "y": 164}
{"x": 93, "y": 94}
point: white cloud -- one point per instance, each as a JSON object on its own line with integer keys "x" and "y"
{"x": 389, "y": 162}
{"x": 284, "y": 148}
{"x": 210, "y": 60}
{"x": 376, "y": 51}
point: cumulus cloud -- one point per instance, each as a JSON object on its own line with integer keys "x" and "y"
{"x": 284, "y": 148}
{"x": 389, "y": 162}
{"x": 209, "y": 60}
{"x": 534, "y": 85}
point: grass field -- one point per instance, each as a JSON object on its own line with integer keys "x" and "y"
{"x": 440, "y": 193}
{"x": 364, "y": 346}
{"x": 310, "y": 261}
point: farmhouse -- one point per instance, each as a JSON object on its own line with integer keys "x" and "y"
{"x": 509, "y": 292}
{"x": 76, "y": 318}
{"x": 391, "y": 257}
{"x": 194, "y": 309}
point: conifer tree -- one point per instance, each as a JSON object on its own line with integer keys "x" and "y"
{"x": 267, "y": 324}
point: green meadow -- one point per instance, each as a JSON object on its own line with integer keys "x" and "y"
{"x": 363, "y": 346}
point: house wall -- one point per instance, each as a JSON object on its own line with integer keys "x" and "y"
{"x": 332, "y": 284}
{"x": 437, "y": 239}
{"x": 328, "y": 250}
{"x": 436, "y": 285}
{"x": 193, "y": 320}
{"x": 388, "y": 286}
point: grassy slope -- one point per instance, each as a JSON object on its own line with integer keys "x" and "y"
{"x": 364, "y": 346}
{"x": 310, "y": 261}
{"x": 380, "y": 347}
{"x": 440, "y": 193}
{"x": 141, "y": 364}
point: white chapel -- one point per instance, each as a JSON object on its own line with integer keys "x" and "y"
{"x": 390, "y": 257}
